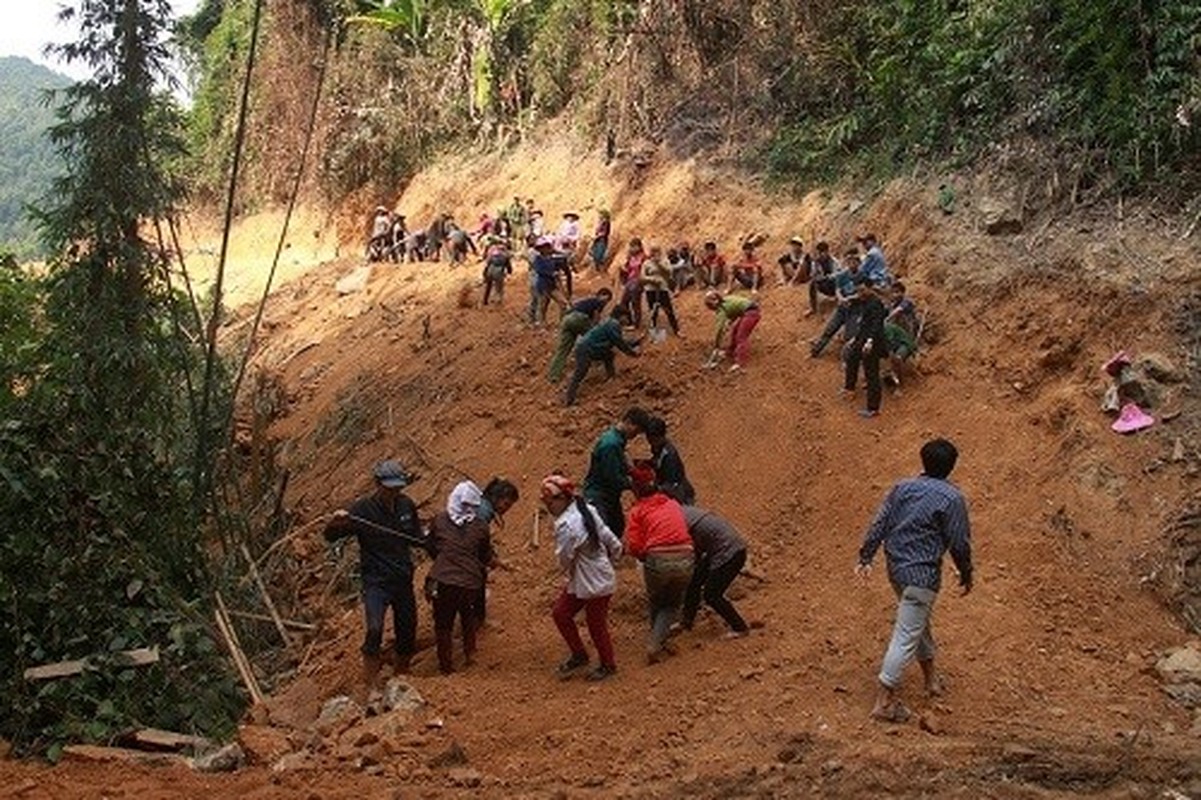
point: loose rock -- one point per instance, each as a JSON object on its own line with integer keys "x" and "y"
{"x": 226, "y": 759}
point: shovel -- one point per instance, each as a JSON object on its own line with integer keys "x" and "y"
{"x": 656, "y": 334}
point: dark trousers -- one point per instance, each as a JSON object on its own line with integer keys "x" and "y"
{"x": 819, "y": 286}
{"x": 377, "y": 598}
{"x": 712, "y": 585}
{"x": 661, "y": 299}
{"x": 631, "y": 299}
{"x": 871, "y": 373}
{"x": 596, "y": 614}
{"x": 845, "y": 314}
{"x": 583, "y": 361}
{"x": 449, "y": 602}
{"x": 611, "y": 512}
{"x": 498, "y": 284}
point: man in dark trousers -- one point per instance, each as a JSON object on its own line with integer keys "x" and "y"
{"x": 385, "y": 523}
{"x": 609, "y": 469}
{"x": 720, "y": 555}
{"x": 596, "y": 345}
{"x": 669, "y": 467}
{"x": 868, "y": 347}
{"x": 921, "y": 519}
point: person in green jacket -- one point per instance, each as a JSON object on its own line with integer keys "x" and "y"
{"x": 598, "y": 345}
{"x": 576, "y": 322}
{"x": 739, "y": 315}
{"x": 609, "y": 468}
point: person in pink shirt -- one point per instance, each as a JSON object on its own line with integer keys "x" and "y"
{"x": 657, "y": 535}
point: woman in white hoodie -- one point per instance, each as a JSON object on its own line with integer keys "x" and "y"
{"x": 586, "y": 551}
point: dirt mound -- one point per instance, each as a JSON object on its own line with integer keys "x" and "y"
{"x": 1049, "y": 659}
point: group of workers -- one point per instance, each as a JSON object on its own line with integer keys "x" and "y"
{"x": 687, "y": 553}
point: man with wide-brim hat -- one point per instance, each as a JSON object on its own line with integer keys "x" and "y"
{"x": 385, "y": 523}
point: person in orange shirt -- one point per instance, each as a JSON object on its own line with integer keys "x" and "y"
{"x": 657, "y": 535}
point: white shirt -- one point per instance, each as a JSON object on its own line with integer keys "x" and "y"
{"x": 590, "y": 571}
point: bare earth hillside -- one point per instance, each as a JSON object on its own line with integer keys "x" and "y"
{"x": 1050, "y": 660}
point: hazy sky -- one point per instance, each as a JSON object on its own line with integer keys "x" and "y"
{"x": 29, "y": 25}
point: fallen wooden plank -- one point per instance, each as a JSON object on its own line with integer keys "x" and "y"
{"x": 140, "y": 657}
{"x": 122, "y": 755}
{"x": 169, "y": 740}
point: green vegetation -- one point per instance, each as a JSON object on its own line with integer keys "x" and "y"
{"x": 107, "y": 455}
{"x": 28, "y": 161}
{"x": 1106, "y": 89}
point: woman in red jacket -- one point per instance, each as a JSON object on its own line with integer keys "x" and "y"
{"x": 657, "y": 535}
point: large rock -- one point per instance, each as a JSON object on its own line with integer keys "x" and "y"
{"x": 355, "y": 281}
{"x": 1181, "y": 665}
{"x": 399, "y": 695}
{"x": 999, "y": 218}
{"x": 1159, "y": 367}
{"x": 338, "y": 714}
{"x": 227, "y": 759}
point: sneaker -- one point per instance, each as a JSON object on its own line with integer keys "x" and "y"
{"x": 868, "y": 413}
{"x": 735, "y": 368}
{"x": 600, "y": 673}
{"x": 736, "y": 634}
{"x": 575, "y": 662}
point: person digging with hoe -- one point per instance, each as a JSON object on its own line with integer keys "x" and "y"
{"x": 385, "y": 524}
{"x": 920, "y": 520}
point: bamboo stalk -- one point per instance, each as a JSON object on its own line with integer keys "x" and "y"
{"x": 290, "y": 623}
{"x": 235, "y": 649}
{"x": 267, "y": 601}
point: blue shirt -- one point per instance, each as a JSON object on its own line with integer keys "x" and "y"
{"x": 874, "y": 268}
{"x": 921, "y": 519}
{"x": 844, "y": 283}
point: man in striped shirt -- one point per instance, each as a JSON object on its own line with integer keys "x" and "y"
{"x": 921, "y": 519}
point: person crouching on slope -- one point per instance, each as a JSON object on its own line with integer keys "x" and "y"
{"x": 738, "y": 314}
{"x": 576, "y": 322}
{"x": 598, "y": 345}
{"x": 587, "y": 552}
{"x": 657, "y": 535}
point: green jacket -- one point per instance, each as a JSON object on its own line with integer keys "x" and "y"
{"x": 608, "y": 470}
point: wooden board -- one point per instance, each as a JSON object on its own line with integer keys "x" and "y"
{"x": 61, "y": 669}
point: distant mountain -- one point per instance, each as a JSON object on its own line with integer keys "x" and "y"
{"x": 28, "y": 162}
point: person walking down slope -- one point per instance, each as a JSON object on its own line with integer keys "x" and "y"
{"x": 720, "y": 556}
{"x": 598, "y": 345}
{"x": 609, "y": 468}
{"x": 657, "y": 535}
{"x": 920, "y": 520}
{"x": 460, "y": 543}
{"x": 587, "y": 552}
{"x": 385, "y": 523}
{"x": 576, "y": 322}
{"x": 739, "y": 315}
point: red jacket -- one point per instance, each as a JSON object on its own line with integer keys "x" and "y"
{"x": 656, "y": 523}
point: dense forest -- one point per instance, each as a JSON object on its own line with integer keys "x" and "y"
{"x": 28, "y": 161}
{"x": 1105, "y": 90}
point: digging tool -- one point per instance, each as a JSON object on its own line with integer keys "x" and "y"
{"x": 419, "y": 541}
{"x": 656, "y": 334}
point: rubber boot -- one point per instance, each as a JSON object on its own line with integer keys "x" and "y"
{"x": 371, "y": 670}
{"x": 445, "y": 641}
